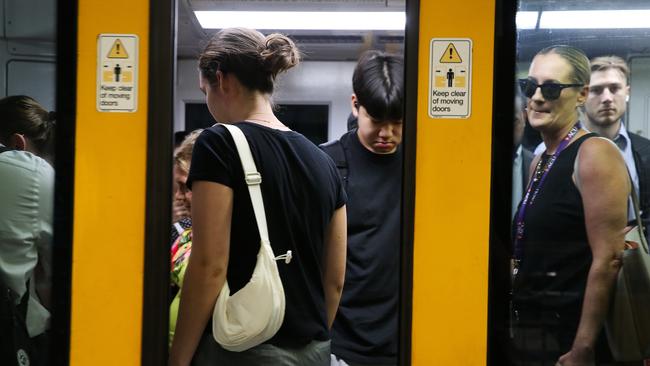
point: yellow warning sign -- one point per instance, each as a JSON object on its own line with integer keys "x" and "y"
{"x": 117, "y": 72}
{"x": 118, "y": 50}
{"x": 450, "y": 56}
{"x": 450, "y": 78}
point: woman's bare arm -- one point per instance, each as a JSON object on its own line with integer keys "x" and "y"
{"x": 335, "y": 253}
{"x": 603, "y": 182}
{"x": 206, "y": 270}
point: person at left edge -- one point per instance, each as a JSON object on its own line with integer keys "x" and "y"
{"x": 26, "y": 210}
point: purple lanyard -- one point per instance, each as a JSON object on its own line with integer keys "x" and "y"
{"x": 530, "y": 196}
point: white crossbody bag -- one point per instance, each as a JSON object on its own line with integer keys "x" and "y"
{"x": 254, "y": 313}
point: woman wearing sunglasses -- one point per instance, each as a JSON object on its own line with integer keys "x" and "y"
{"x": 569, "y": 227}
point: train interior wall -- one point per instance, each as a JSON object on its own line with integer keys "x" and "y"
{"x": 639, "y": 116}
{"x": 28, "y": 49}
{"x": 311, "y": 82}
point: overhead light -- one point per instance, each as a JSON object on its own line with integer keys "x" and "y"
{"x": 526, "y": 19}
{"x": 595, "y": 19}
{"x": 302, "y": 20}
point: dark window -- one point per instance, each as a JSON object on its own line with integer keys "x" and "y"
{"x": 197, "y": 115}
{"x": 310, "y": 120}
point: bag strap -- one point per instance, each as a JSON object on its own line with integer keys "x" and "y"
{"x": 24, "y": 301}
{"x": 336, "y": 151}
{"x": 637, "y": 214}
{"x": 253, "y": 180}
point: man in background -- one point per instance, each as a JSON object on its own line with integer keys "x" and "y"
{"x": 522, "y": 157}
{"x": 609, "y": 92}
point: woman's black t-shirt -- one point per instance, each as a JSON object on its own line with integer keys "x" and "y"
{"x": 301, "y": 189}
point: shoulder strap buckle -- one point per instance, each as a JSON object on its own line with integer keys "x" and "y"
{"x": 253, "y": 178}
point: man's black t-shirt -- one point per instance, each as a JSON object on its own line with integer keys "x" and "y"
{"x": 365, "y": 330}
{"x": 301, "y": 190}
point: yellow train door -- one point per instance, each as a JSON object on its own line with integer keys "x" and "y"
{"x": 122, "y": 169}
{"x": 460, "y": 62}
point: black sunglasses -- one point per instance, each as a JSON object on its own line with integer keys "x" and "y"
{"x": 550, "y": 91}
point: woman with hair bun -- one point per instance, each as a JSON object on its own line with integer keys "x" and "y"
{"x": 304, "y": 203}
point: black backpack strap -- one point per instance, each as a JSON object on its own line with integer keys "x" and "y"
{"x": 22, "y": 306}
{"x": 11, "y": 297}
{"x": 336, "y": 151}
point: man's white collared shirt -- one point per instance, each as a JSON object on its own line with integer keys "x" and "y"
{"x": 624, "y": 144}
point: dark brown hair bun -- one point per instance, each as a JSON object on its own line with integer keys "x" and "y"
{"x": 254, "y": 59}
{"x": 279, "y": 54}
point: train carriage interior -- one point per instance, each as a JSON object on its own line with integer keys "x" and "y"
{"x": 313, "y": 98}
{"x": 319, "y": 87}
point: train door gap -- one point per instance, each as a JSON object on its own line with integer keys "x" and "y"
{"x": 321, "y": 86}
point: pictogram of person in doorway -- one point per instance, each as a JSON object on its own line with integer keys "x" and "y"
{"x": 118, "y": 71}
{"x": 450, "y": 78}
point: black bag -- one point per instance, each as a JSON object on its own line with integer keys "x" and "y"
{"x": 16, "y": 347}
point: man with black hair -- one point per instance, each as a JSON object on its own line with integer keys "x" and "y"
{"x": 369, "y": 158}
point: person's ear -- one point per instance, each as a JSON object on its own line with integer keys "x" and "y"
{"x": 627, "y": 93}
{"x": 354, "y": 104}
{"x": 582, "y": 96}
{"x": 218, "y": 78}
{"x": 17, "y": 142}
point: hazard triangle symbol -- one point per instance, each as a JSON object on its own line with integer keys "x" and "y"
{"x": 118, "y": 51}
{"x": 450, "y": 56}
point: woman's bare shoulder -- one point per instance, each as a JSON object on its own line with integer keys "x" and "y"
{"x": 599, "y": 158}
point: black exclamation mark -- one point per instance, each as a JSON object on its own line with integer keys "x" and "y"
{"x": 117, "y": 48}
{"x": 451, "y": 52}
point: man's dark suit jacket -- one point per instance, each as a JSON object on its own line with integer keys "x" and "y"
{"x": 641, "y": 153}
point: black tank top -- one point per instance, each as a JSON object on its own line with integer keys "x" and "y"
{"x": 556, "y": 258}
{"x": 556, "y": 255}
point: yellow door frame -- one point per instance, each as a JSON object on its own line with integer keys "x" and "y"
{"x": 160, "y": 131}
{"x": 122, "y": 187}
{"x": 454, "y": 169}
{"x": 446, "y": 235}
{"x": 66, "y": 91}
